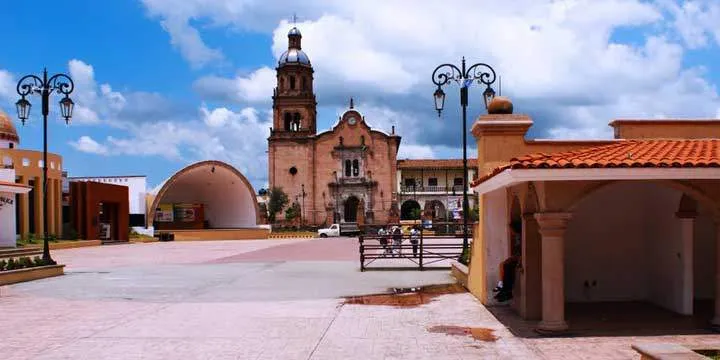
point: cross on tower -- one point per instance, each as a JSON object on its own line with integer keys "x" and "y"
{"x": 294, "y": 19}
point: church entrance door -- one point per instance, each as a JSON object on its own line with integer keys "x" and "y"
{"x": 351, "y": 206}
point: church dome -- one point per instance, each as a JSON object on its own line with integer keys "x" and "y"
{"x": 294, "y": 56}
{"x": 294, "y": 31}
{"x": 7, "y": 128}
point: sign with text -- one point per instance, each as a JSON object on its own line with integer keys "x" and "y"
{"x": 164, "y": 213}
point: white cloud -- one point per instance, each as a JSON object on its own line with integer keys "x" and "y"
{"x": 188, "y": 41}
{"x": 7, "y": 85}
{"x": 253, "y": 88}
{"x": 558, "y": 60}
{"x": 87, "y": 144}
{"x": 416, "y": 152}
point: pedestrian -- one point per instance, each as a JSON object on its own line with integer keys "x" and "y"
{"x": 382, "y": 234}
{"x": 397, "y": 240}
{"x": 414, "y": 239}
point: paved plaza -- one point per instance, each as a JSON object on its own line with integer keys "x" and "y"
{"x": 265, "y": 299}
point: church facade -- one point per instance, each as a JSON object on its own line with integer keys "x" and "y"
{"x": 345, "y": 174}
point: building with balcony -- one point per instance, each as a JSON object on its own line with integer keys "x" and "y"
{"x": 432, "y": 188}
{"x": 28, "y": 168}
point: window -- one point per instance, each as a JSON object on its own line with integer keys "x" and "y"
{"x": 303, "y": 84}
{"x": 432, "y": 182}
{"x": 362, "y": 140}
{"x": 356, "y": 167}
{"x": 410, "y": 182}
{"x": 292, "y": 83}
{"x": 12, "y": 145}
{"x": 288, "y": 121}
{"x": 348, "y": 165}
{"x": 295, "y": 126}
{"x": 458, "y": 181}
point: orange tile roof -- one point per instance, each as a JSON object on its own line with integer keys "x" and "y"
{"x": 435, "y": 163}
{"x": 626, "y": 153}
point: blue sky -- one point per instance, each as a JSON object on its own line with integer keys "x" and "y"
{"x": 163, "y": 83}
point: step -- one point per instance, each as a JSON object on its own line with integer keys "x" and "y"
{"x": 19, "y": 252}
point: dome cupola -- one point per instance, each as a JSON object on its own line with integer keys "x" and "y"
{"x": 8, "y": 133}
{"x": 294, "y": 54}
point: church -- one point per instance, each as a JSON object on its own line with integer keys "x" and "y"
{"x": 345, "y": 174}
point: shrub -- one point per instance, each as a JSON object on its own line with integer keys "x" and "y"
{"x": 11, "y": 264}
{"x": 38, "y": 261}
{"x": 26, "y": 262}
{"x": 3, "y": 264}
{"x": 30, "y": 238}
{"x": 52, "y": 237}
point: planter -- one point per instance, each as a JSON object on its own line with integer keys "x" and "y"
{"x": 34, "y": 273}
{"x": 290, "y": 235}
{"x": 68, "y": 244}
{"x": 460, "y": 272}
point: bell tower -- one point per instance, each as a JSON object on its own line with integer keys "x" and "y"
{"x": 291, "y": 145}
{"x": 294, "y": 104}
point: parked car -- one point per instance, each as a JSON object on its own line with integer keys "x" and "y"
{"x": 349, "y": 229}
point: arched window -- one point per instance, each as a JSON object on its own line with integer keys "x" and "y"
{"x": 348, "y": 170}
{"x": 362, "y": 140}
{"x": 356, "y": 167}
{"x": 296, "y": 122}
{"x": 292, "y": 83}
{"x": 288, "y": 122}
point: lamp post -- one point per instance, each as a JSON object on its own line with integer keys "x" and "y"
{"x": 481, "y": 73}
{"x": 31, "y": 84}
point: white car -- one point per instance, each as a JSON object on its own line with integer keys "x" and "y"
{"x": 339, "y": 230}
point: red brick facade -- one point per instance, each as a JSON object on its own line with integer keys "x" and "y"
{"x": 348, "y": 173}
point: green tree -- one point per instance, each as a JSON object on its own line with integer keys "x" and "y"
{"x": 292, "y": 212}
{"x": 415, "y": 214}
{"x": 277, "y": 201}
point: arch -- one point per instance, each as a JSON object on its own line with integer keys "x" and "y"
{"x": 288, "y": 121}
{"x": 292, "y": 83}
{"x": 408, "y": 210}
{"x": 226, "y": 192}
{"x": 355, "y": 167}
{"x": 303, "y": 83}
{"x": 435, "y": 209}
{"x": 296, "y": 122}
{"x": 351, "y": 208}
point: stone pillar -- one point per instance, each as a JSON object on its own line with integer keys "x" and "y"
{"x": 716, "y": 319}
{"x": 531, "y": 278}
{"x": 687, "y": 233}
{"x": 552, "y": 228}
{"x": 24, "y": 210}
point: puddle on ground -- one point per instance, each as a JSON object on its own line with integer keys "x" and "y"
{"x": 406, "y": 297}
{"x": 482, "y": 334}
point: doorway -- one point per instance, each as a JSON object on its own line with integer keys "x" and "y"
{"x": 351, "y": 206}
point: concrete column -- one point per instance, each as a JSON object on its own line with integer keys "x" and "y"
{"x": 552, "y": 228}
{"x": 687, "y": 233}
{"x": 24, "y": 210}
{"x": 531, "y": 278}
{"x": 716, "y": 319}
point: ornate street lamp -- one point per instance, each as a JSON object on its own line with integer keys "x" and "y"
{"x": 479, "y": 73}
{"x": 34, "y": 85}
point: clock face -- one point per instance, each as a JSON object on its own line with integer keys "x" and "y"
{"x": 352, "y": 120}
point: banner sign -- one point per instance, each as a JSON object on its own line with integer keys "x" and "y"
{"x": 188, "y": 212}
{"x": 164, "y": 213}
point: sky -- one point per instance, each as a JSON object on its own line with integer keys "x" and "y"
{"x": 161, "y": 84}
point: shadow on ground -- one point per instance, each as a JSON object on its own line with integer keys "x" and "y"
{"x": 615, "y": 319}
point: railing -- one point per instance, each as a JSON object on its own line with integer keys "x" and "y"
{"x": 430, "y": 252}
{"x": 439, "y": 189}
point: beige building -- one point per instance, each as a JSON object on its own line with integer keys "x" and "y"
{"x": 632, "y": 219}
{"x": 433, "y": 187}
{"x": 28, "y": 167}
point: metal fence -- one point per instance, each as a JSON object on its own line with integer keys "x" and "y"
{"x": 429, "y": 251}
